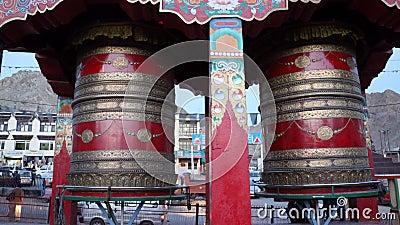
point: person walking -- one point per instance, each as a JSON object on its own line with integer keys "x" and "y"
{"x": 16, "y": 200}
{"x": 43, "y": 189}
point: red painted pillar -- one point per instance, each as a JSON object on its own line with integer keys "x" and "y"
{"x": 229, "y": 188}
{"x": 62, "y": 152}
{"x": 368, "y": 208}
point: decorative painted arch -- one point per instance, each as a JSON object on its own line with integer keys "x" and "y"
{"x": 190, "y": 11}
{"x": 392, "y": 3}
{"x": 19, "y": 9}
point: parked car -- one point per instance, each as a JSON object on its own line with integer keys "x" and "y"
{"x": 13, "y": 169}
{"x": 8, "y": 179}
{"x": 151, "y": 214}
{"x": 46, "y": 172}
{"x": 255, "y": 176}
{"x": 25, "y": 177}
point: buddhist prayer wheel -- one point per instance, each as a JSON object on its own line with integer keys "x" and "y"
{"x": 319, "y": 137}
{"x": 318, "y": 57}
{"x": 118, "y": 139}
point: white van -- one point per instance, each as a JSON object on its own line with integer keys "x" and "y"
{"x": 151, "y": 213}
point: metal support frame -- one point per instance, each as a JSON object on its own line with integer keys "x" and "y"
{"x": 68, "y": 193}
{"x": 276, "y": 190}
{"x": 109, "y": 214}
{"x": 111, "y": 218}
{"x": 314, "y": 216}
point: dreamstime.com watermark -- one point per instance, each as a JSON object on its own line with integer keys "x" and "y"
{"x": 338, "y": 211}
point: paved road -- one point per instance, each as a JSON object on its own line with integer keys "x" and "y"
{"x": 34, "y": 210}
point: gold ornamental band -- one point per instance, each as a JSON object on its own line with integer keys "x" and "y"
{"x": 135, "y": 116}
{"x": 313, "y": 74}
{"x": 80, "y": 167}
{"x": 119, "y": 89}
{"x": 122, "y": 85}
{"x": 116, "y": 50}
{"x": 316, "y": 86}
{"x": 318, "y": 94}
{"x": 316, "y": 114}
{"x": 122, "y": 179}
{"x": 112, "y": 31}
{"x": 147, "y": 108}
{"x": 316, "y": 153}
{"x": 128, "y": 97}
{"x": 99, "y": 155}
{"x": 320, "y": 103}
{"x": 317, "y": 176}
{"x": 314, "y": 48}
{"x": 118, "y": 104}
{"x": 332, "y": 163}
{"x": 125, "y": 76}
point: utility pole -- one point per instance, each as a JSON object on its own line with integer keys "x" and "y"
{"x": 382, "y": 141}
{"x": 387, "y": 136}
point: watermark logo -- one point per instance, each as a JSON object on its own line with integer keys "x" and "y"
{"x": 341, "y": 201}
{"x": 339, "y": 211}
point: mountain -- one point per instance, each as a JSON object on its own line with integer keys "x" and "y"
{"x": 384, "y": 112}
{"x": 27, "y": 90}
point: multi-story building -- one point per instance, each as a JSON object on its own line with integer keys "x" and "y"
{"x": 27, "y": 137}
{"x": 189, "y": 154}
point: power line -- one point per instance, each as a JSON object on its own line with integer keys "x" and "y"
{"x": 33, "y": 103}
{"x": 389, "y": 104}
{"x": 21, "y": 67}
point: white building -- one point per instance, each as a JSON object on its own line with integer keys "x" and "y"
{"x": 189, "y": 156}
{"x": 26, "y": 137}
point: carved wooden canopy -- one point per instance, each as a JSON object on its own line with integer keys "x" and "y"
{"x": 41, "y": 26}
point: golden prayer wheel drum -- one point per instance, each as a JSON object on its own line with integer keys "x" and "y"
{"x": 319, "y": 137}
{"x": 119, "y": 139}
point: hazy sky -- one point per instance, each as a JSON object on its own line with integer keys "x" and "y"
{"x": 388, "y": 79}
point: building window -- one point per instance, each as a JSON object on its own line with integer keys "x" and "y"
{"x": 2, "y": 145}
{"x": 24, "y": 127}
{"x": 47, "y": 127}
{"x": 48, "y": 145}
{"x": 21, "y": 145}
{"x": 187, "y": 128}
{"x": 185, "y": 144}
{"x": 4, "y": 126}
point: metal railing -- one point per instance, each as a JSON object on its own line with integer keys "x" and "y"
{"x": 32, "y": 209}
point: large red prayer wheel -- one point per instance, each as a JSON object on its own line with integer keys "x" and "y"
{"x": 319, "y": 137}
{"x": 119, "y": 139}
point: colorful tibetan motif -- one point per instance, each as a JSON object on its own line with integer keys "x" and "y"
{"x": 19, "y": 9}
{"x": 227, "y": 71}
{"x": 392, "y": 3}
{"x": 64, "y": 125}
{"x": 201, "y": 11}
